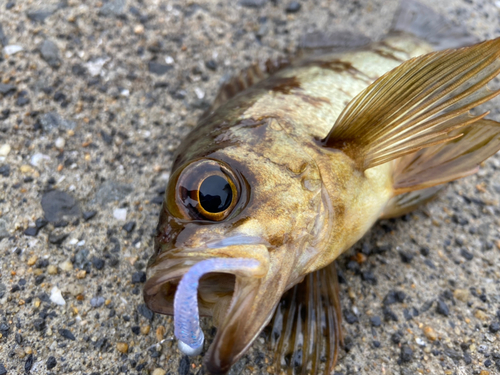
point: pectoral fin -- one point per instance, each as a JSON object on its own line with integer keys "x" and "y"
{"x": 416, "y": 105}
{"x": 306, "y": 325}
{"x": 446, "y": 162}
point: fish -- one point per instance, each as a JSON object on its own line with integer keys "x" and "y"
{"x": 294, "y": 162}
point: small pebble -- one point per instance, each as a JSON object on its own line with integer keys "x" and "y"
{"x": 52, "y": 270}
{"x": 158, "y": 371}
{"x": 481, "y": 315}
{"x": 60, "y": 143}
{"x": 139, "y": 29}
{"x": 160, "y": 332}
{"x": 32, "y": 260}
{"x": 122, "y": 347}
{"x": 461, "y": 294}
{"x": 51, "y": 363}
{"x": 81, "y": 274}
{"x": 293, "y": 7}
{"x": 66, "y": 266}
{"x": 442, "y": 308}
{"x": 5, "y": 149}
{"x": 120, "y": 214}
{"x": 145, "y": 329}
{"x": 67, "y": 334}
{"x": 430, "y": 333}
{"x": 56, "y": 296}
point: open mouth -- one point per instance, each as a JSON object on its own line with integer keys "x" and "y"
{"x": 186, "y": 311}
{"x": 210, "y": 282}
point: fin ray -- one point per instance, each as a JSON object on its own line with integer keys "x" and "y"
{"x": 416, "y": 104}
{"x": 449, "y": 161}
{"x": 306, "y": 325}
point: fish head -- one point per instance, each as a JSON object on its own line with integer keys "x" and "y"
{"x": 260, "y": 200}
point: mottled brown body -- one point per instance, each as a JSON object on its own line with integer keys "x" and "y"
{"x": 304, "y": 203}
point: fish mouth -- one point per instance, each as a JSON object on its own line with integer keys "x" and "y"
{"x": 241, "y": 302}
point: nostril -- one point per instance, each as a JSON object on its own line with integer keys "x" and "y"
{"x": 186, "y": 314}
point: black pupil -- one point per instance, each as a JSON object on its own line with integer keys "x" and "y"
{"x": 215, "y": 194}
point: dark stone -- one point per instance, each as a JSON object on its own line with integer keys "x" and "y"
{"x": 3, "y": 370}
{"x": 98, "y": 263}
{"x": 40, "y": 223}
{"x": 3, "y": 38}
{"x": 31, "y": 231}
{"x": 5, "y": 170}
{"x": 114, "y": 8}
{"x": 184, "y": 366}
{"x": 376, "y": 321}
{"x": 494, "y": 327}
{"x": 39, "y": 15}
{"x": 51, "y": 121}
{"x": 145, "y": 312}
{"x": 453, "y": 354}
{"x": 350, "y": 317}
{"x": 4, "y": 328}
{"x": 406, "y": 353}
{"x": 211, "y": 64}
{"x": 50, "y": 53}
{"x": 159, "y": 69}
{"x": 488, "y": 363}
{"x": 57, "y": 239}
{"x": 129, "y": 227}
{"x": 101, "y": 343}
{"x": 442, "y": 308}
{"x": 22, "y": 101}
{"x": 406, "y": 257}
{"x": 39, "y": 324}
{"x": 19, "y": 339}
{"x": 157, "y": 200}
{"x": 393, "y": 297}
{"x": 10, "y": 4}
{"x": 51, "y": 363}
{"x": 369, "y": 277}
{"x": 293, "y": 7}
{"x": 136, "y": 330}
{"x": 253, "y": 3}
{"x": 39, "y": 279}
{"x": 466, "y": 254}
{"x": 79, "y": 70}
{"x": 67, "y": 334}
{"x": 6, "y": 89}
{"x": 29, "y": 363}
{"x": 396, "y": 337}
{"x": 57, "y": 204}
{"x": 139, "y": 277}
{"x": 390, "y": 315}
{"x": 87, "y": 215}
{"x": 111, "y": 191}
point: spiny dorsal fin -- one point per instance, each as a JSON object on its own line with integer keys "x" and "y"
{"x": 246, "y": 78}
{"x": 306, "y": 325}
{"x": 447, "y": 162}
{"x": 416, "y": 105}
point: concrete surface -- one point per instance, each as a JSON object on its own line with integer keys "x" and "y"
{"x": 100, "y": 96}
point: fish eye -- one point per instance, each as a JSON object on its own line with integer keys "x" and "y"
{"x": 203, "y": 190}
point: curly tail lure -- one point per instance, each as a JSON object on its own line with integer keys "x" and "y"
{"x": 186, "y": 315}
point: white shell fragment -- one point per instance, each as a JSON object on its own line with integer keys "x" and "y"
{"x": 120, "y": 214}
{"x": 56, "y": 296}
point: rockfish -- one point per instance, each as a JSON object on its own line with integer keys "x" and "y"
{"x": 293, "y": 164}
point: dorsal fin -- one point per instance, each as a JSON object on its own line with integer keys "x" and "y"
{"x": 246, "y": 78}
{"x": 416, "y": 104}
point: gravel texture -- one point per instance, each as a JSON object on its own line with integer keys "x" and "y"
{"x": 94, "y": 98}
